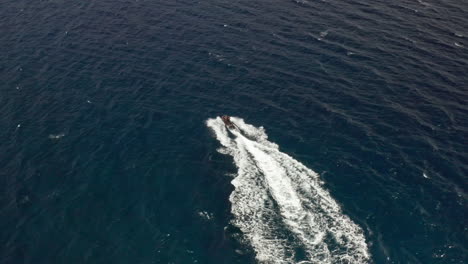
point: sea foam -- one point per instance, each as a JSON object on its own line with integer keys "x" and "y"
{"x": 280, "y": 205}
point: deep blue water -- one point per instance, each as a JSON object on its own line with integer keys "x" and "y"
{"x": 106, "y": 157}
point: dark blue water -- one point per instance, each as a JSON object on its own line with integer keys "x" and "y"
{"x": 106, "y": 157}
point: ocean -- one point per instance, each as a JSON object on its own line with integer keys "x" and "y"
{"x": 350, "y": 143}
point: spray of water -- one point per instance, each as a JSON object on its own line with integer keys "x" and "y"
{"x": 280, "y": 205}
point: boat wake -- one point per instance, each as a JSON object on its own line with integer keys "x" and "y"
{"x": 280, "y": 206}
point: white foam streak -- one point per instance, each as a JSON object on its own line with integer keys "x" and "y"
{"x": 280, "y": 205}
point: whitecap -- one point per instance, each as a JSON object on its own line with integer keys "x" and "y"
{"x": 56, "y": 136}
{"x": 323, "y": 33}
{"x": 205, "y": 215}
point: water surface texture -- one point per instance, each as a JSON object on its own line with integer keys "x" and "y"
{"x": 351, "y": 144}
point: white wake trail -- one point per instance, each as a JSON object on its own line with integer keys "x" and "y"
{"x": 280, "y": 205}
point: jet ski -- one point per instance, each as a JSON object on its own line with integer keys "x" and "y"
{"x": 227, "y": 121}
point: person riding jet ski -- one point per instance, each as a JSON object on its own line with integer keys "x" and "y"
{"x": 227, "y": 121}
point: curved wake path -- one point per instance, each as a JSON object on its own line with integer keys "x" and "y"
{"x": 280, "y": 206}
